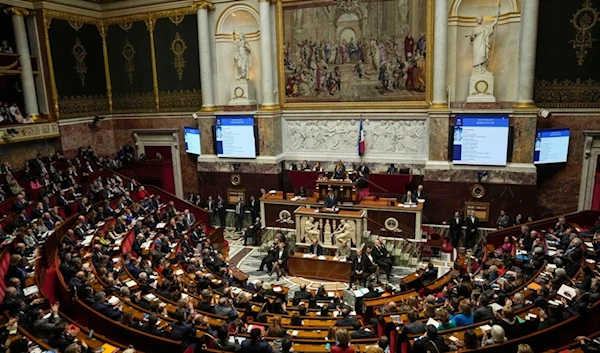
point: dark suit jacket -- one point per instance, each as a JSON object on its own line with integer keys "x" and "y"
{"x": 412, "y": 199}
{"x": 330, "y": 201}
{"x": 300, "y": 294}
{"x": 362, "y": 333}
{"x": 414, "y": 328}
{"x": 364, "y": 170}
{"x": 311, "y": 249}
{"x": 256, "y": 347}
{"x": 283, "y": 258}
{"x": 254, "y": 208}
{"x": 345, "y": 321}
{"x": 356, "y": 266}
{"x": 379, "y": 253}
{"x": 471, "y": 224}
{"x": 455, "y": 227}
{"x": 37, "y": 213}
{"x": 483, "y": 314}
{"x": 108, "y": 310}
{"x": 419, "y": 196}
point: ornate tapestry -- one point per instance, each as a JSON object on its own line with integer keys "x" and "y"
{"x": 177, "y": 63}
{"x": 568, "y": 53}
{"x": 355, "y": 51}
{"x": 129, "y": 57}
{"x": 78, "y": 65}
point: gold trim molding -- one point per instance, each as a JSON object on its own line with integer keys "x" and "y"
{"x": 77, "y": 106}
{"x": 17, "y": 11}
{"x": 577, "y": 93}
{"x": 203, "y": 4}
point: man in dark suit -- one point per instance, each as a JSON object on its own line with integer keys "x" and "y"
{"x": 430, "y": 274}
{"x": 358, "y": 268}
{"x": 38, "y": 211}
{"x": 370, "y": 263}
{"x": 455, "y": 225}
{"x": 383, "y": 258}
{"x": 150, "y": 326}
{"x": 409, "y": 198}
{"x": 188, "y": 218}
{"x": 345, "y": 320}
{"x": 503, "y": 220}
{"x": 392, "y": 169}
{"x": 415, "y": 327}
{"x": 256, "y": 343}
{"x": 360, "y": 332}
{"x": 315, "y": 248}
{"x": 330, "y": 200}
{"x": 363, "y": 173}
{"x": 252, "y": 231}
{"x": 221, "y": 210}
{"x": 254, "y": 207}
{"x": 419, "y": 193}
{"x": 101, "y": 305}
{"x": 211, "y": 207}
{"x": 84, "y": 206}
{"x": 19, "y": 204}
{"x": 239, "y": 215}
{"x": 483, "y": 312}
{"x": 472, "y": 224}
{"x": 432, "y": 342}
{"x": 302, "y": 293}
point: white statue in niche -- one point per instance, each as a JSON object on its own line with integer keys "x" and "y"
{"x": 480, "y": 40}
{"x": 241, "y": 57}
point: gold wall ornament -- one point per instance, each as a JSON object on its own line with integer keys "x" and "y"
{"x": 235, "y": 179}
{"x": 150, "y": 25}
{"x": 126, "y": 26}
{"x": 477, "y": 191}
{"x": 203, "y": 4}
{"x": 567, "y": 93}
{"x": 103, "y": 30}
{"x": 79, "y": 53}
{"x": 88, "y": 105}
{"x": 17, "y": 11}
{"x": 178, "y": 47}
{"x": 180, "y": 100}
{"x": 177, "y": 19}
{"x": 76, "y": 25}
{"x": 128, "y": 53}
{"x": 584, "y": 21}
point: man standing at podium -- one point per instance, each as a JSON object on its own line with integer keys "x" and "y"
{"x": 330, "y": 200}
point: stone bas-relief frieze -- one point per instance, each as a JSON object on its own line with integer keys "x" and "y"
{"x": 382, "y": 136}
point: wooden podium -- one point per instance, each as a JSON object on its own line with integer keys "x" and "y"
{"x": 345, "y": 190}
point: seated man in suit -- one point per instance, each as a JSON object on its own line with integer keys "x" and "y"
{"x": 315, "y": 248}
{"x": 256, "y": 343}
{"x": 430, "y": 274}
{"x": 302, "y": 293}
{"x": 345, "y": 320}
{"x": 383, "y": 258}
{"x": 280, "y": 260}
{"x": 101, "y": 305}
{"x": 252, "y": 231}
{"x": 343, "y": 249}
{"x": 358, "y": 272}
{"x": 370, "y": 263}
{"x": 409, "y": 199}
{"x": 330, "y": 200}
{"x": 419, "y": 193}
{"x": 361, "y": 332}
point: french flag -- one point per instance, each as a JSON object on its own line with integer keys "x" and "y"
{"x": 361, "y": 139}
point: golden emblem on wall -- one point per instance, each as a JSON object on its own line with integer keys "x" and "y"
{"x": 79, "y": 53}
{"x": 584, "y": 21}
{"x": 129, "y": 53}
{"x": 126, "y": 26}
{"x": 235, "y": 179}
{"x": 176, "y": 20}
{"x": 178, "y": 47}
{"x": 477, "y": 191}
{"x": 76, "y": 25}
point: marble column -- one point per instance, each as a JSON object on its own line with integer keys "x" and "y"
{"x": 266, "y": 57}
{"x": 440, "y": 50}
{"x": 208, "y": 103}
{"x": 527, "y": 50}
{"x": 22, "y": 44}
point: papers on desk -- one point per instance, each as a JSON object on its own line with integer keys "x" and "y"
{"x": 359, "y": 293}
{"x": 150, "y": 297}
{"x": 567, "y": 292}
{"x": 321, "y": 257}
{"x": 396, "y": 319}
{"x": 555, "y": 302}
{"x": 12, "y": 329}
{"x": 485, "y": 328}
{"x": 277, "y": 289}
{"x": 551, "y": 266}
{"x": 272, "y": 192}
{"x": 530, "y": 316}
{"x": 113, "y": 300}
{"x": 178, "y": 272}
{"x": 551, "y": 252}
{"x": 341, "y": 259}
{"x": 308, "y": 256}
{"x": 495, "y": 306}
{"x": 30, "y": 290}
{"x": 140, "y": 218}
{"x": 295, "y": 333}
{"x": 87, "y": 240}
{"x": 431, "y": 321}
{"x": 296, "y": 198}
{"x": 336, "y": 313}
{"x": 590, "y": 261}
{"x": 453, "y": 339}
{"x": 100, "y": 224}
{"x": 521, "y": 252}
{"x": 589, "y": 245}
{"x": 131, "y": 283}
{"x": 330, "y": 294}
{"x": 161, "y": 225}
{"x": 115, "y": 259}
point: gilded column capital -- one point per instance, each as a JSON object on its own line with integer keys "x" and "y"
{"x": 17, "y": 11}
{"x": 203, "y": 4}
{"x": 150, "y": 24}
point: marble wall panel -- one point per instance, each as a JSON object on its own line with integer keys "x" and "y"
{"x": 17, "y": 153}
{"x": 101, "y": 138}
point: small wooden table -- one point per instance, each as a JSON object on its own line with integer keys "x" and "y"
{"x": 327, "y": 269}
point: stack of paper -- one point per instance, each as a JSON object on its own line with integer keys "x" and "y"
{"x": 131, "y": 283}
{"x": 31, "y": 290}
{"x": 485, "y": 328}
{"x": 113, "y": 300}
{"x": 431, "y": 321}
{"x": 567, "y": 292}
